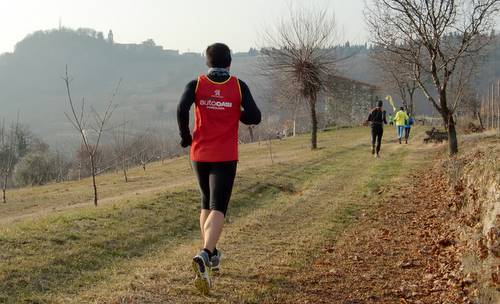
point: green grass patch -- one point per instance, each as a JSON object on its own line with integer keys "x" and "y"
{"x": 49, "y": 258}
{"x": 78, "y": 249}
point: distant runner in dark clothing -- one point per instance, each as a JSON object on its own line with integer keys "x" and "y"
{"x": 409, "y": 123}
{"x": 221, "y": 102}
{"x": 377, "y": 119}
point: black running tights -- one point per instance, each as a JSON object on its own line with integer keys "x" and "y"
{"x": 216, "y": 183}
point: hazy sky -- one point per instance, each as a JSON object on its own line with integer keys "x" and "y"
{"x": 176, "y": 24}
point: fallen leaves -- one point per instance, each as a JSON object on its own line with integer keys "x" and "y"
{"x": 446, "y": 242}
{"x": 404, "y": 251}
{"x": 406, "y": 264}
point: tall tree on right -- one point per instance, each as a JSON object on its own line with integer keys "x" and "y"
{"x": 440, "y": 39}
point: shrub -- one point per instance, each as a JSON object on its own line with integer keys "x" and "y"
{"x": 36, "y": 168}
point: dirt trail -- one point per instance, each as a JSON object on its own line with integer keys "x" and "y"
{"x": 378, "y": 242}
{"x": 401, "y": 252}
{"x": 264, "y": 239}
{"x": 268, "y": 249}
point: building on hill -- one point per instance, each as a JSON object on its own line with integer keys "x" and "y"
{"x": 251, "y": 52}
{"x": 145, "y": 49}
{"x": 148, "y": 47}
{"x": 349, "y": 101}
{"x": 111, "y": 38}
{"x": 191, "y": 54}
{"x": 171, "y": 52}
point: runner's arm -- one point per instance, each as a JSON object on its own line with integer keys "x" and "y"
{"x": 183, "y": 108}
{"x": 251, "y": 114}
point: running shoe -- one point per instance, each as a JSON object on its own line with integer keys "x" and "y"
{"x": 201, "y": 263}
{"x": 215, "y": 261}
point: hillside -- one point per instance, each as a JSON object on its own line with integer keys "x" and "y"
{"x": 135, "y": 247}
{"x": 153, "y": 79}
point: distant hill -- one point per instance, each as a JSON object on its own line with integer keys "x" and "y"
{"x": 153, "y": 78}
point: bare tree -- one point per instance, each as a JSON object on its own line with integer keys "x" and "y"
{"x": 163, "y": 146}
{"x": 440, "y": 38}
{"x": 145, "y": 148}
{"x": 121, "y": 149}
{"x": 62, "y": 166}
{"x": 398, "y": 74}
{"x": 301, "y": 49}
{"x": 84, "y": 127}
{"x": 8, "y": 147}
{"x": 470, "y": 104}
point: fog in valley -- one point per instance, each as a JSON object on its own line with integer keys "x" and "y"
{"x": 32, "y": 90}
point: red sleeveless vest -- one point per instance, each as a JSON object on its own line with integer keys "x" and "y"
{"x": 217, "y": 117}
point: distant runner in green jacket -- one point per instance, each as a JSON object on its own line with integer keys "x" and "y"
{"x": 391, "y": 119}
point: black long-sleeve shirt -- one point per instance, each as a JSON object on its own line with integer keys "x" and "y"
{"x": 377, "y": 117}
{"x": 250, "y": 115}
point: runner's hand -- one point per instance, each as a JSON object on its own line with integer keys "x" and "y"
{"x": 186, "y": 141}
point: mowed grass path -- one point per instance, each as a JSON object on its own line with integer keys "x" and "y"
{"x": 136, "y": 247}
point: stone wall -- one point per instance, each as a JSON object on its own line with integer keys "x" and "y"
{"x": 349, "y": 101}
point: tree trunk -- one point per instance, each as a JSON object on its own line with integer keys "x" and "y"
{"x": 411, "y": 106}
{"x": 250, "y": 130}
{"x": 452, "y": 138}
{"x": 480, "y": 119}
{"x": 92, "y": 169}
{"x": 125, "y": 175}
{"x": 449, "y": 123}
{"x": 124, "y": 167}
{"x": 314, "y": 123}
{"x": 4, "y": 189}
{"x": 271, "y": 150}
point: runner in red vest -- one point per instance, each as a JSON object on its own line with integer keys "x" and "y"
{"x": 221, "y": 102}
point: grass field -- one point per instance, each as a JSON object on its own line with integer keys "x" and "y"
{"x": 55, "y": 247}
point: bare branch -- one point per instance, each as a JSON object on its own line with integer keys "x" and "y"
{"x": 98, "y": 125}
{"x": 440, "y": 37}
{"x": 300, "y": 48}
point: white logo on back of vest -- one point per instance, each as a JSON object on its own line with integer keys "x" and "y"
{"x": 216, "y": 105}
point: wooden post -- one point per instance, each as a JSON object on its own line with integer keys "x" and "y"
{"x": 483, "y": 112}
{"x": 492, "y": 102}
{"x": 498, "y": 106}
